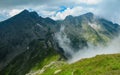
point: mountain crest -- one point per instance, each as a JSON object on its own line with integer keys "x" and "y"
{"x": 24, "y": 12}
{"x": 89, "y": 14}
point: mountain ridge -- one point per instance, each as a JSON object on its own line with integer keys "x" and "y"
{"x": 19, "y": 31}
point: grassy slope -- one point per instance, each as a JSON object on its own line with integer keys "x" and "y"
{"x": 99, "y": 65}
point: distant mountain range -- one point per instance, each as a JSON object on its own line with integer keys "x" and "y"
{"x": 27, "y": 39}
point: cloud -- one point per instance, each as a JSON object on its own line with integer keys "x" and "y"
{"x": 45, "y": 8}
{"x": 14, "y": 12}
{"x": 112, "y": 47}
{"x": 91, "y": 2}
{"x": 3, "y": 15}
{"x": 75, "y": 11}
{"x": 109, "y": 9}
{"x": 12, "y": 3}
{"x": 68, "y": 11}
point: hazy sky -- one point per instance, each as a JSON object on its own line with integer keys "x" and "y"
{"x": 59, "y": 9}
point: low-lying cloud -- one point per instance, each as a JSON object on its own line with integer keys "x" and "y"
{"x": 109, "y": 9}
{"x": 64, "y": 42}
{"x": 112, "y": 47}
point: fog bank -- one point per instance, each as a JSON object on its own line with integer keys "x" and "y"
{"x": 64, "y": 42}
{"x": 112, "y": 48}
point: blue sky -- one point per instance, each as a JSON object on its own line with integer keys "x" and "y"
{"x": 62, "y": 9}
{"x": 59, "y": 9}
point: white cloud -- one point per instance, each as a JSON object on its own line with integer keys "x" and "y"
{"x": 14, "y": 12}
{"x": 45, "y": 10}
{"x": 69, "y": 11}
{"x": 17, "y": 3}
{"x": 5, "y": 14}
{"x": 76, "y": 11}
{"x": 47, "y": 13}
{"x": 90, "y": 2}
{"x": 109, "y": 9}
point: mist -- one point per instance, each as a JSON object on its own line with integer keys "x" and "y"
{"x": 109, "y": 9}
{"x": 64, "y": 42}
{"x": 112, "y": 47}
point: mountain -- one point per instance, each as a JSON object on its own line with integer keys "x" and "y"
{"x": 89, "y": 29}
{"x": 29, "y": 42}
{"x": 17, "y": 32}
{"x": 85, "y": 31}
{"x": 35, "y": 57}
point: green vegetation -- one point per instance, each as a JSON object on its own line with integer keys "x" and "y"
{"x": 83, "y": 34}
{"x": 94, "y": 36}
{"x": 46, "y": 61}
{"x": 35, "y": 57}
{"x": 99, "y": 65}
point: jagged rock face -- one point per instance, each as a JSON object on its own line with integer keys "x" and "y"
{"x": 36, "y": 53}
{"x": 89, "y": 29}
{"x": 17, "y": 32}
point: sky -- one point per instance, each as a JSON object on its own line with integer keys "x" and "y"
{"x": 59, "y": 9}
